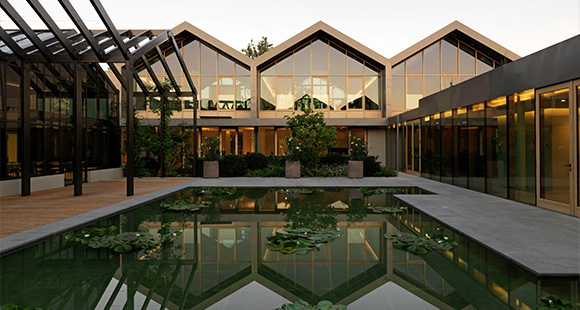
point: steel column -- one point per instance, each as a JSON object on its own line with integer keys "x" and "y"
{"x": 130, "y": 166}
{"x": 25, "y": 141}
{"x": 78, "y": 130}
{"x": 162, "y": 136}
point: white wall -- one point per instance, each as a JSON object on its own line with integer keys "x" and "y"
{"x": 12, "y": 187}
{"x": 377, "y": 139}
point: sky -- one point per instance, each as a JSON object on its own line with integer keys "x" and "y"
{"x": 385, "y": 26}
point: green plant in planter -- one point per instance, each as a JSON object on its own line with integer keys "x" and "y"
{"x": 17, "y": 307}
{"x": 309, "y": 137}
{"x": 420, "y": 245}
{"x": 210, "y": 148}
{"x": 301, "y": 240}
{"x": 184, "y": 205}
{"x": 554, "y": 302}
{"x": 302, "y": 305}
{"x": 392, "y": 209}
{"x": 357, "y": 148}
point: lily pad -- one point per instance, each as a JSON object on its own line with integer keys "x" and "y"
{"x": 420, "y": 245}
{"x": 300, "y": 240}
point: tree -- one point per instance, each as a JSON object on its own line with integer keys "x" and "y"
{"x": 253, "y": 51}
{"x": 309, "y": 137}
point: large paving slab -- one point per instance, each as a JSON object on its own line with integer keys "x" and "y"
{"x": 543, "y": 242}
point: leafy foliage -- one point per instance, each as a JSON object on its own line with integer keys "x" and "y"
{"x": 386, "y": 172}
{"x": 255, "y": 50}
{"x": 218, "y": 191}
{"x": 357, "y": 148}
{"x": 302, "y": 305}
{"x": 303, "y": 190}
{"x": 333, "y": 159}
{"x": 554, "y": 302}
{"x": 233, "y": 166}
{"x": 184, "y": 205}
{"x": 389, "y": 209}
{"x": 308, "y": 137}
{"x": 269, "y": 172}
{"x": 370, "y": 191}
{"x": 331, "y": 171}
{"x": 371, "y": 166}
{"x": 301, "y": 240}
{"x": 210, "y": 148}
{"x": 256, "y": 161}
{"x": 420, "y": 245}
{"x": 17, "y": 307}
{"x": 107, "y": 237}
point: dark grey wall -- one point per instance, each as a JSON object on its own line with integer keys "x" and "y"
{"x": 556, "y": 64}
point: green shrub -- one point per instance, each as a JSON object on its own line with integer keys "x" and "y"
{"x": 270, "y": 172}
{"x": 276, "y": 161}
{"x": 386, "y": 172}
{"x": 371, "y": 166}
{"x": 256, "y": 161}
{"x": 232, "y": 166}
{"x": 331, "y": 171}
{"x": 333, "y": 159}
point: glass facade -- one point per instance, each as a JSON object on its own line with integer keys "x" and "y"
{"x": 222, "y": 83}
{"x": 320, "y": 75}
{"x": 52, "y": 121}
{"x": 488, "y": 147}
{"x": 438, "y": 66}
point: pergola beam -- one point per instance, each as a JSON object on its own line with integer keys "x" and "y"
{"x": 109, "y": 25}
{"x": 76, "y": 19}
{"x": 152, "y": 74}
{"x": 168, "y": 70}
{"x": 49, "y": 22}
{"x": 30, "y": 34}
{"x": 12, "y": 45}
{"x": 144, "y": 49}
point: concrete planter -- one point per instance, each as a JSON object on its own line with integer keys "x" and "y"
{"x": 355, "y": 169}
{"x": 292, "y": 169}
{"x": 211, "y": 169}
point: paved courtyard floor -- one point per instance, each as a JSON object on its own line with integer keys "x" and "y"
{"x": 543, "y": 242}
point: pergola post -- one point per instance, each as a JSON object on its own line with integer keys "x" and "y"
{"x": 162, "y": 134}
{"x": 78, "y": 130}
{"x": 130, "y": 167}
{"x": 25, "y": 141}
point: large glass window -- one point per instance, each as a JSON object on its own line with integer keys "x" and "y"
{"x": 415, "y": 64}
{"x": 555, "y": 146}
{"x": 323, "y": 76}
{"x": 466, "y": 60}
{"x": 447, "y": 147}
{"x": 460, "y": 151}
{"x": 399, "y": 92}
{"x": 449, "y": 56}
{"x": 414, "y": 92}
{"x": 432, "y": 59}
{"x": 497, "y": 156}
{"x": 476, "y": 146}
{"x": 522, "y": 147}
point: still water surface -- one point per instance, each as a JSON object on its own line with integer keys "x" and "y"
{"x": 221, "y": 260}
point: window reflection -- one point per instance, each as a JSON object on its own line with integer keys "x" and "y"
{"x": 208, "y": 60}
{"x": 322, "y": 83}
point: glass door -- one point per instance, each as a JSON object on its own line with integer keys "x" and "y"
{"x": 556, "y": 150}
{"x": 413, "y": 148}
{"x": 576, "y": 208}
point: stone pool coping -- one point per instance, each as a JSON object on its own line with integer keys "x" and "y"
{"x": 543, "y": 242}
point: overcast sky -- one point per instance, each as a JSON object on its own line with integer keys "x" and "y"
{"x": 386, "y": 26}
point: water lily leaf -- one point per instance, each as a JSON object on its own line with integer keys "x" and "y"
{"x": 288, "y": 250}
{"x": 419, "y": 250}
{"x": 275, "y": 247}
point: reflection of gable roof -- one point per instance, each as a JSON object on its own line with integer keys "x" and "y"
{"x": 210, "y": 40}
{"x": 479, "y": 42}
{"x": 321, "y": 29}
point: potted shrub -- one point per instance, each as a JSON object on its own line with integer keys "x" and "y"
{"x": 210, "y": 150}
{"x": 309, "y": 137}
{"x": 358, "y": 150}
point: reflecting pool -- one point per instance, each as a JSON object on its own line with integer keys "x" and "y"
{"x": 221, "y": 259}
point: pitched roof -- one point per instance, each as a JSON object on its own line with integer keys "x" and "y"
{"x": 455, "y": 26}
